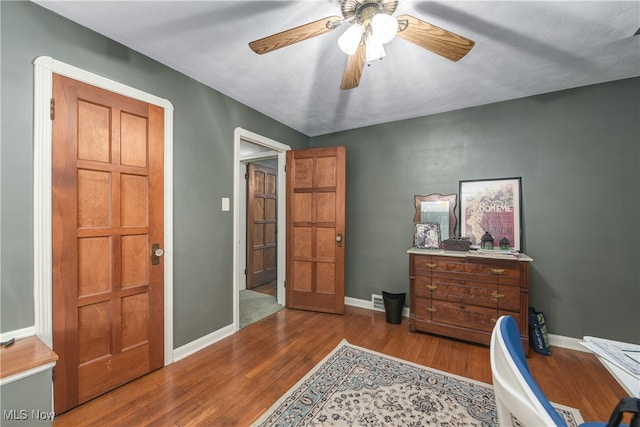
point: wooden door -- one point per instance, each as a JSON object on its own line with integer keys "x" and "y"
{"x": 316, "y": 229}
{"x": 262, "y": 199}
{"x": 107, "y": 194}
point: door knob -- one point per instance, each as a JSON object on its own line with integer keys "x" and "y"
{"x": 156, "y": 253}
{"x": 339, "y": 239}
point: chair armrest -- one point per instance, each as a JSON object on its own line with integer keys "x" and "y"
{"x": 626, "y": 405}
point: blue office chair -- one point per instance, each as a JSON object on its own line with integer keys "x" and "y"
{"x": 519, "y": 395}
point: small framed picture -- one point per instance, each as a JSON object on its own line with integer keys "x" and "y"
{"x": 427, "y": 235}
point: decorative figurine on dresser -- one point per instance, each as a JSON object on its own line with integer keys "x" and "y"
{"x": 460, "y": 289}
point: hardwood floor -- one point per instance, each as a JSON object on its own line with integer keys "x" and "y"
{"x": 235, "y": 380}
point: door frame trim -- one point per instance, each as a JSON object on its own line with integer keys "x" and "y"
{"x": 44, "y": 67}
{"x": 280, "y": 150}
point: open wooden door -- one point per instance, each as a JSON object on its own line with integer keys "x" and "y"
{"x": 316, "y": 229}
{"x": 262, "y": 219}
{"x": 108, "y": 212}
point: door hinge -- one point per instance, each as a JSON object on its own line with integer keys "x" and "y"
{"x": 52, "y": 108}
{"x": 53, "y": 375}
{"x": 285, "y": 284}
{"x": 245, "y": 271}
{"x": 246, "y": 175}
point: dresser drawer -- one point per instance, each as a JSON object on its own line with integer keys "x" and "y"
{"x": 498, "y": 268}
{"x": 427, "y": 265}
{"x": 465, "y": 292}
{"x": 467, "y": 316}
{"x": 484, "y": 294}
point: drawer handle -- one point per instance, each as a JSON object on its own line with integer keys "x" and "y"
{"x": 497, "y": 270}
{"x": 497, "y": 295}
{"x": 431, "y": 265}
{"x": 431, "y": 309}
{"x": 432, "y": 287}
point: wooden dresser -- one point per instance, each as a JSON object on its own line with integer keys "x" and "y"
{"x": 462, "y": 294}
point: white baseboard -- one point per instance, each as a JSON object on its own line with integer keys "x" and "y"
{"x": 363, "y": 303}
{"x": 554, "y": 340}
{"x": 197, "y": 345}
{"x": 355, "y": 302}
{"x": 567, "y": 342}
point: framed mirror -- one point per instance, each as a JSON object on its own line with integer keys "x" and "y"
{"x": 437, "y": 208}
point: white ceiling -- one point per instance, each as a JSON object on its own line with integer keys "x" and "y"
{"x": 522, "y": 49}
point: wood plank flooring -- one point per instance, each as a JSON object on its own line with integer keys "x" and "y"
{"x": 232, "y": 382}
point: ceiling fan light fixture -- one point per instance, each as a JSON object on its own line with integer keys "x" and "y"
{"x": 375, "y": 49}
{"x": 350, "y": 39}
{"x": 372, "y": 25}
{"x": 385, "y": 27}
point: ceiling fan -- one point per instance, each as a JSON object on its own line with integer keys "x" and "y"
{"x": 371, "y": 27}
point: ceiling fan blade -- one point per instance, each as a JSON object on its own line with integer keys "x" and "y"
{"x": 295, "y": 35}
{"x": 353, "y": 69}
{"x": 433, "y": 38}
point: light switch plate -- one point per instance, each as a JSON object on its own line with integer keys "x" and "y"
{"x": 225, "y": 204}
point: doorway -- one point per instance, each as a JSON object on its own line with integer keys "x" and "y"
{"x": 253, "y": 148}
{"x": 259, "y": 298}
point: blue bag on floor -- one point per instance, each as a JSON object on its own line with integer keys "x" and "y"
{"x": 538, "y": 332}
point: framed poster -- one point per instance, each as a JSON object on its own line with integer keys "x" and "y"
{"x": 427, "y": 235}
{"x": 493, "y": 205}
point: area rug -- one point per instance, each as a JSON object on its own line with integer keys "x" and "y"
{"x": 255, "y": 306}
{"x": 354, "y": 386}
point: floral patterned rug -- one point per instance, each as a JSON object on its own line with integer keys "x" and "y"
{"x": 354, "y": 386}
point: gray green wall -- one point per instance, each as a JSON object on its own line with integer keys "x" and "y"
{"x": 204, "y": 123}
{"x": 578, "y": 153}
{"x": 27, "y": 402}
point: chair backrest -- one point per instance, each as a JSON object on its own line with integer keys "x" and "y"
{"x": 516, "y": 391}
